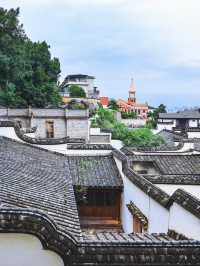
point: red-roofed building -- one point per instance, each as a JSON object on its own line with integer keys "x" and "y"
{"x": 104, "y": 101}
{"x": 141, "y": 109}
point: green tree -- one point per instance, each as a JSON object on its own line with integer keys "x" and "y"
{"x": 126, "y": 115}
{"x": 28, "y": 74}
{"x": 153, "y": 116}
{"x": 103, "y": 118}
{"x": 8, "y": 97}
{"x": 113, "y": 105}
{"x": 141, "y": 137}
{"x": 76, "y": 91}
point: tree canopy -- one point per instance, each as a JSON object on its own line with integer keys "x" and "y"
{"x": 153, "y": 116}
{"x": 113, "y": 105}
{"x": 128, "y": 115}
{"x": 28, "y": 73}
{"x": 76, "y": 91}
{"x": 141, "y": 137}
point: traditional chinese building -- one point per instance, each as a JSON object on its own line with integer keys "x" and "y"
{"x": 94, "y": 205}
{"x": 187, "y": 121}
{"x": 81, "y": 210}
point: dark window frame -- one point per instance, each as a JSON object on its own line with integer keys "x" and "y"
{"x": 49, "y": 125}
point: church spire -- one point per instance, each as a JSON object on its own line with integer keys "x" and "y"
{"x": 132, "y": 92}
{"x": 132, "y": 87}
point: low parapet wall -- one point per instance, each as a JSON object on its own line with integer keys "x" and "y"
{"x": 42, "y": 112}
{"x": 100, "y": 139}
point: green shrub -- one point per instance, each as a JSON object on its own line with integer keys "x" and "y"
{"x": 126, "y": 115}
{"x": 76, "y": 91}
{"x": 75, "y": 105}
{"x": 140, "y": 137}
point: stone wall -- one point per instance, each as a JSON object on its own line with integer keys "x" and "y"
{"x": 60, "y": 129}
{"x": 78, "y": 128}
{"x": 67, "y": 123}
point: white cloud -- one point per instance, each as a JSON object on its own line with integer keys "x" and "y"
{"x": 173, "y": 24}
{"x": 157, "y": 41}
{"x": 171, "y": 27}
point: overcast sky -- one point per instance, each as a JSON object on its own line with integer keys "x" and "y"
{"x": 157, "y": 42}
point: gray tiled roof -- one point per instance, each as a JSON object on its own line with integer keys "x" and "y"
{"x": 174, "y": 179}
{"x": 170, "y": 136}
{"x": 172, "y": 164}
{"x": 120, "y": 238}
{"x": 95, "y": 171}
{"x": 186, "y": 200}
{"x": 174, "y": 168}
{"x": 187, "y": 114}
{"x": 32, "y": 178}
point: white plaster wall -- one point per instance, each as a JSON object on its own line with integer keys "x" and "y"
{"x": 192, "y": 135}
{"x": 95, "y": 131}
{"x": 25, "y": 250}
{"x": 184, "y": 222}
{"x": 157, "y": 215}
{"x": 9, "y": 132}
{"x": 170, "y": 189}
{"x": 41, "y": 127}
{"x": 117, "y": 144}
{"x": 60, "y": 128}
{"x": 166, "y": 126}
{"x": 187, "y": 146}
{"x": 193, "y": 123}
{"x": 163, "y": 126}
{"x": 134, "y": 122}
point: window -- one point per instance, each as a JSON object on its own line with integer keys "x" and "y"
{"x": 50, "y": 129}
{"x": 145, "y": 167}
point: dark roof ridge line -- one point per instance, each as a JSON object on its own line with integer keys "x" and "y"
{"x": 40, "y": 215}
{"x": 181, "y": 153}
{"x": 186, "y": 200}
{"x": 180, "y": 196}
{"x": 29, "y": 221}
{"x": 146, "y": 186}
